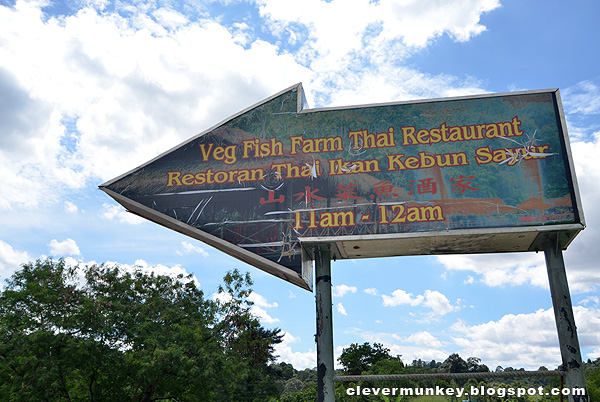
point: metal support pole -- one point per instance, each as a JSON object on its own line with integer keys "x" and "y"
{"x": 565, "y": 320}
{"x": 324, "y": 336}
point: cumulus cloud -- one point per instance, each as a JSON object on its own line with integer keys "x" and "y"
{"x": 258, "y": 307}
{"x": 423, "y": 338}
{"x": 508, "y": 341}
{"x": 414, "y": 23}
{"x": 189, "y": 248}
{"x": 583, "y": 97}
{"x": 501, "y": 269}
{"x": 341, "y": 290}
{"x": 10, "y": 260}
{"x": 70, "y": 207}
{"x": 222, "y": 297}
{"x": 300, "y": 360}
{"x": 341, "y": 309}
{"x": 261, "y": 301}
{"x": 159, "y": 269}
{"x": 436, "y": 301}
{"x": 263, "y": 316}
{"x": 94, "y": 94}
{"x": 64, "y": 248}
{"x": 360, "y": 59}
{"x": 399, "y": 297}
{"x": 116, "y": 212}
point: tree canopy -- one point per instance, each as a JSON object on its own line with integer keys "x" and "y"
{"x": 96, "y": 333}
{"x": 357, "y": 359}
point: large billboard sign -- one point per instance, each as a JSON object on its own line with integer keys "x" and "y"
{"x": 475, "y": 174}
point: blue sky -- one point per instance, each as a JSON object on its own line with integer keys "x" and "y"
{"x": 90, "y": 90}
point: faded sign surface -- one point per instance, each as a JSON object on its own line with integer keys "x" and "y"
{"x": 264, "y": 180}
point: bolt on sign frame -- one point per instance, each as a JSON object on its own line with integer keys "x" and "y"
{"x": 279, "y": 186}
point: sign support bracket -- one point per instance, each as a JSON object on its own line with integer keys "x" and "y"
{"x": 324, "y": 335}
{"x": 564, "y": 317}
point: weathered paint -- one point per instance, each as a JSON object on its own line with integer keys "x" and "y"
{"x": 565, "y": 320}
{"x": 324, "y": 336}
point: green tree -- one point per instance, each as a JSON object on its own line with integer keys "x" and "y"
{"x": 454, "y": 364}
{"x": 104, "y": 334}
{"x": 474, "y": 365}
{"x": 357, "y": 359}
{"x": 249, "y": 348}
{"x": 593, "y": 384}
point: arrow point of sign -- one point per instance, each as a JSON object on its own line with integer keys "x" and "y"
{"x": 176, "y": 204}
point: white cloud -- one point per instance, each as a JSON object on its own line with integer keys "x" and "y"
{"x": 583, "y": 254}
{"x": 436, "y": 301}
{"x": 262, "y": 315}
{"x": 423, "y": 338}
{"x": 169, "y": 18}
{"x": 593, "y": 300}
{"x": 418, "y": 22}
{"x": 376, "y": 23}
{"x": 222, "y": 297}
{"x": 260, "y": 300}
{"x": 583, "y": 97}
{"x": 360, "y": 59}
{"x": 300, "y": 360}
{"x": 257, "y": 309}
{"x": 400, "y": 297}
{"x": 509, "y": 341}
{"x": 116, "y": 212}
{"x": 140, "y": 265}
{"x": 95, "y": 94}
{"x": 341, "y": 290}
{"x": 192, "y": 248}
{"x": 340, "y": 309}
{"x": 63, "y": 248}
{"x": 501, "y": 269}
{"x": 159, "y": 269}
{"x": 371, "y": 291}
{"x": 10, "y": 261}
{"x": 72, "y": 208}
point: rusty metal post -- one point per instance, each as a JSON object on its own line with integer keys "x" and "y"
{"x": 565, "y": 320}
{"x": 324, "y": 336}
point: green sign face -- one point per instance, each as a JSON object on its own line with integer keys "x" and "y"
{"x": 265, "y": 180}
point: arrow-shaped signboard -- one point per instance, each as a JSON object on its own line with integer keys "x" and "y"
{"x": 459, "y": 175}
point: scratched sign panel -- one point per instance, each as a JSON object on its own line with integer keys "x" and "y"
{"x": 275, "y": 173}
